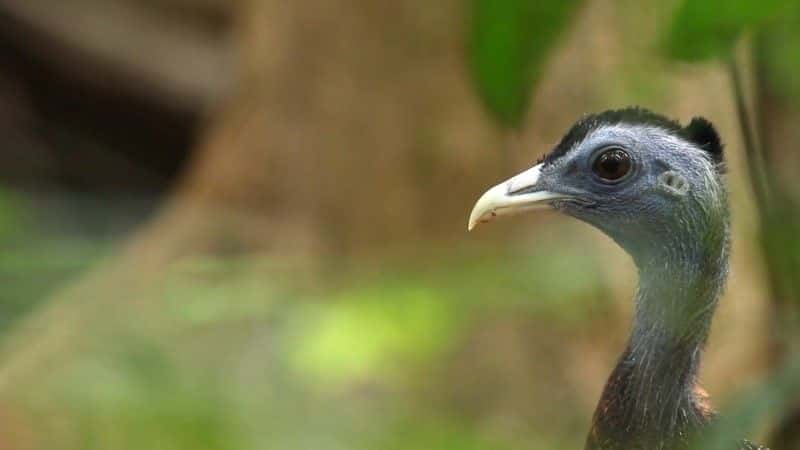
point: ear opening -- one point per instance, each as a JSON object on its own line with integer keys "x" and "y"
{"x": 702, "y": 133}
{"x": 673, "y": 183}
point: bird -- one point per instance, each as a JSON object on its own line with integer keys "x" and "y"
{"x": 657, "y": 189}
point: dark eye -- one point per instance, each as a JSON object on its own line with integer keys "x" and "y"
{"x": 612, "y": 165}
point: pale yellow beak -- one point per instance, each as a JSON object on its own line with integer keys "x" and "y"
{"x": 502, "y": 199}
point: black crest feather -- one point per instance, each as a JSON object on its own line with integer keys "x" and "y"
{"x": 702, "y": 133}
{"x": 699, "y": 131}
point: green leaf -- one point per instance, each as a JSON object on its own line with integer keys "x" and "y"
{"x": 704, "y": 29}
{"x": 508, "y": 43}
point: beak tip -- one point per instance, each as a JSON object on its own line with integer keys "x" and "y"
{"x": 479, "y": 219}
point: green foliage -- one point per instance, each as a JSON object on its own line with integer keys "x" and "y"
{"x": 778, "y": 50}
{"x": 34, "y": 263}
{"x": 704, "y": 29}
{"x": 195, "y": 293}
{"x": 403, "y": 318}
{"x": 768, "y": 399}
{"x": 509, "y": 41}
{"x": 372, "y": 329}
{"x": 11, "y": 216}
{"x": 782, "y": 252}
{"x": 432, "y": 434}
{"x": 137, "y": 398}
{"x": 242, "y": 353}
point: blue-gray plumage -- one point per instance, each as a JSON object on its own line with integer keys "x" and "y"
{"x": 656, "y": 188}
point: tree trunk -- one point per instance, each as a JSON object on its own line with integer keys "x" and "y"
{"x": 353, "y": 126}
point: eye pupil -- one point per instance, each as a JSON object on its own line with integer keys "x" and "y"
{"x": 612, "y": 165}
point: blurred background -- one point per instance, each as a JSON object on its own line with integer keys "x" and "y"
{"x": 241, "y": 224}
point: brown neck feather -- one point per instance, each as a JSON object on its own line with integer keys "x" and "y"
{"x": 653, "y": 403}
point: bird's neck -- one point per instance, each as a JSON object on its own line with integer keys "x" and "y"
{"x": 652, "y": 397}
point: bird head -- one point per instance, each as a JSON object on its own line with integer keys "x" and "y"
{"x": 636, "y": 175}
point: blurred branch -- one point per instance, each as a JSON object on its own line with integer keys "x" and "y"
{"x": 753, "y": 149}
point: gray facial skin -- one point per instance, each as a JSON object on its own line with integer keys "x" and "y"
{"x": 672, "y": 194}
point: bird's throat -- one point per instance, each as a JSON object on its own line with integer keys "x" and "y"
{"x": 652, "y": 399}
